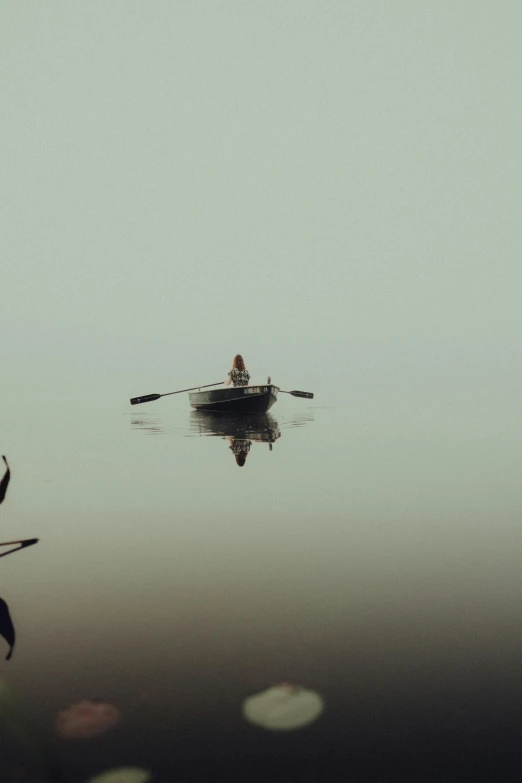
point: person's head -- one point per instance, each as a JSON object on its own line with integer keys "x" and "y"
{"x": 241, "y": 458}
{"x": 238, "y": 362}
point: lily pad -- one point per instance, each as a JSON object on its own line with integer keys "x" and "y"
{"x": 283, "y": 707}
{"x": 86, "y": 719}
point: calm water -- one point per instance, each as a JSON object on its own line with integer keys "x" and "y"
{"x": 369, "y": 552}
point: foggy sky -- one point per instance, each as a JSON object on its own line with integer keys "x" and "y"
{"x": 331, "y": 189}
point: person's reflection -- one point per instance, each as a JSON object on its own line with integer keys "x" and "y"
{"x": 240, "y": 448}
{"x": 5, "y": 480}
{"x": 239, "y": 431}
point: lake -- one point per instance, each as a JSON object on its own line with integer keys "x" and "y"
{"x": 368, "y": 552}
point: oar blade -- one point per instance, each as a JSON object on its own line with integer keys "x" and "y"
{"x": 145, "y": 398}
{"x": 29, "y": 542}
{"x": 306, "y": 395}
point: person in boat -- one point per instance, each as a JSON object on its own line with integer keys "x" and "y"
{"x": 238, "y": 375}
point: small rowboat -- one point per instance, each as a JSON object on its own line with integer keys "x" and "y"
{"x": 238, "y": 399}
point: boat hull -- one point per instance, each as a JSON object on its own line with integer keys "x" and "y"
{"x": 239, "y": 399}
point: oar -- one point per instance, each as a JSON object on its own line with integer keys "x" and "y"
{"x": 307, "y": 395}
{"x": 152, "y": 397}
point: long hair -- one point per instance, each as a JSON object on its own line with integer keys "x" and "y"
{"x": 241, "y": 458}
{"x": 238, "y": 362}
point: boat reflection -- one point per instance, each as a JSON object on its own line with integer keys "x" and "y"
{"x": 239, "y": 430}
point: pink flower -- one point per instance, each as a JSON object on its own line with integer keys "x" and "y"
{"x": 86, "y": 719}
